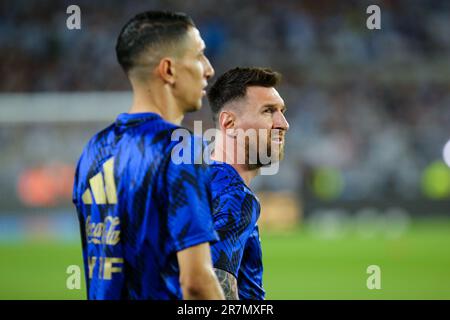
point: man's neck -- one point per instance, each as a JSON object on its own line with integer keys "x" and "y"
{"x": 247, "y": 174}
{"x": 158, "y": 101}
{"x": 165, "y": 114}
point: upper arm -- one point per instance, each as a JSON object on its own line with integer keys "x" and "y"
{"x": 234, "y": 222}
{"x": 189, "y": 211}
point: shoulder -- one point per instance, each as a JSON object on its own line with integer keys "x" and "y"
{"x": 224, "y": 181}
{"x": 156, "y": 133}
{"x": 96, "y": 144}
{"x": 175, "y": 141}
{"x": 229, "y": 193}
{"x": 101, "y": 138}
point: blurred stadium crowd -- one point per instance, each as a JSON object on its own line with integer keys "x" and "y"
{"x": 370, "y": 106}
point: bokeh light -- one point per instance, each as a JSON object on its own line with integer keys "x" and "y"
{"x": 327, "y": 183}
{"x": 436, "y": 181}
{"x": 446, "y": 153}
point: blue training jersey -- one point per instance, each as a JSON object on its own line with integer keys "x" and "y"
{"x": 137, "y": 208}
{"x": 235, "y": 213}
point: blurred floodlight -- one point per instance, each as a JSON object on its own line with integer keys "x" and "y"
{"x": 446, "y": 153}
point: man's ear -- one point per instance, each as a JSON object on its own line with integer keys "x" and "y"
{"x": 227, "y": 122}
{"x": 166, "y": 70}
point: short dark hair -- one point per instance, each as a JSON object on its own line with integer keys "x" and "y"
{"x": 232, "y": 85}
{"x": 148, "y": 29}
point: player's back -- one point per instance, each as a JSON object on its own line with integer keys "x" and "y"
{"x": 134, "y": 212}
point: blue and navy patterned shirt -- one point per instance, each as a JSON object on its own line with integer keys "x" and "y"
{"x": 137, "y": 208}
{"x": 235, "y": 213}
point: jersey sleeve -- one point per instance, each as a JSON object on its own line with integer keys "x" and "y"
{"x": 234, "y": 223}
{"x": 189, "y": 205}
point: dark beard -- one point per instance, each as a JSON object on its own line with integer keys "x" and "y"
{"x": 267, "y": 161}
{"x": 259, "y": 161}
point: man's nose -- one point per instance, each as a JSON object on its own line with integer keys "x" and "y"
{"x": 280, "y": 121}
{"x": 209, "y": 70}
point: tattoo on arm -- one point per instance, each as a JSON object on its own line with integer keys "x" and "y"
{"x": 228, "y": 283}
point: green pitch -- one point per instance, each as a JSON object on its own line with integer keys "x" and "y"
{"x": 297, "y": 266}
